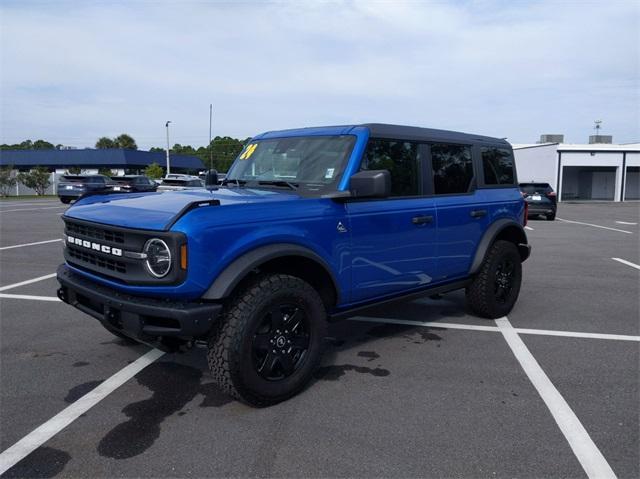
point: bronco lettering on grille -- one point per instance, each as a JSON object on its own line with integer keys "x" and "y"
{"x": 94, "y": 246}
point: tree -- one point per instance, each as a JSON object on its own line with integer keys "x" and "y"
{"x": 126, "y": 142}
{"x": 104, "y": 143}
{"x": 29, "y": 145}
{"x": 74, "y": 170}
{"x": 36, "y": 179}
{"x": 7, "y": 180}
{"x": 105, "y": 171}
{"x": 42, "y": 145}
{"x": 154, "y": 171}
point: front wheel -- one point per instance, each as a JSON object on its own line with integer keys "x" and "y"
{"x": 66, "y": 200}
{"x": 551, "y": 216}
{"x": 495, "y": 288}
{"x": 268, "y": 341}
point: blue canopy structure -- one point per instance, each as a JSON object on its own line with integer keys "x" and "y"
{"x": 90, "y": 158}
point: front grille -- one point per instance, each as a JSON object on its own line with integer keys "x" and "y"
{"x": 87, "y": 257}
{"x": 107, "y": 250}
{"x": 95, "y": 233}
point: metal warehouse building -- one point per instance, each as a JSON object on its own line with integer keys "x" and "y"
{"x": 59, "y": 161}
{"x": 594, "y": 171}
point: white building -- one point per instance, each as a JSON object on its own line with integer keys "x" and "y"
{"x": 595, "y": 171}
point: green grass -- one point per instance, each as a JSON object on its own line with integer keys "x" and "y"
{"x": 28, "y": 197}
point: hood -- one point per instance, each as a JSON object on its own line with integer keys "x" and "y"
{"x": 157, "y": 211}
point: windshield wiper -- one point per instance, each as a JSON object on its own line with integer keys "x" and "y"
{"x": 293, "y": 186}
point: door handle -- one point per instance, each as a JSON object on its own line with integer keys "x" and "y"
{"x": 421, "y": 220}
{"x": 478, "y": 213}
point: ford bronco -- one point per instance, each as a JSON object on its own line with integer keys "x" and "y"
{"x": 308, "y": 226}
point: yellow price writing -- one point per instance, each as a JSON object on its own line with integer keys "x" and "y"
{"x": 246, "y": 154}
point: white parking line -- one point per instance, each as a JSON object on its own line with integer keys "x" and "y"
{"x": 628, "y": 263}
{"x": 494, "y": 329}
{"x": 53, "y": 426}
{"x": 626, "y": 223}
{"x": 29, "y": 281}
{"x": 28, "y": 296}
{"x": 528, "y": 228}
{"x": 575, "y": 334}
{"x": 30, "y": 244}
{"x": 6, "y": 204}
{"x": 595, "y": 226}
{"x": 587, "y": 453}
{"x": 33, "y": 209}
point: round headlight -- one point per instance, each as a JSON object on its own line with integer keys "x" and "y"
{"x": 158, "y": 260}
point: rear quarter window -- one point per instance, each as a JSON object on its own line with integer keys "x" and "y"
{"x": 497, "y": 166}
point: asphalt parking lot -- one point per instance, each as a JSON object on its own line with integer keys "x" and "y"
{"x": 419, "y": 389}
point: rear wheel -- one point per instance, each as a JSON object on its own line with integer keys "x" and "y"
{"x": 268, "y": 342}
{"x": 551, "y": 216}
{"x": 65, "y": 199}
{"x": 495, "y": 288}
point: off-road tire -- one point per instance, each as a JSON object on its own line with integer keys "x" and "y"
{"x": 481, "y": 293}
{"x": 230, "y": 346}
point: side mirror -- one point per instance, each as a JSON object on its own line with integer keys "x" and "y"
{"x": 370, "y": 184}
{"x": 211, "y": 179}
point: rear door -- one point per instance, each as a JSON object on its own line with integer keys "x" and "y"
{"x": 393, "y": 239}
{"x": 463, "y": 214}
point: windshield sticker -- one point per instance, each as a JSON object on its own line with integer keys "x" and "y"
{"x": 329, "y": 174}
{"x": 249, "y": 151}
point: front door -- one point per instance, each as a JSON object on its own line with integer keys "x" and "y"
{"x": 393, "y": 239}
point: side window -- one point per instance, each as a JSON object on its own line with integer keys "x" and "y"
{"x": 497, "y": 165}
{"x": 401, "y": 159}
{"x": 452, "y": 168}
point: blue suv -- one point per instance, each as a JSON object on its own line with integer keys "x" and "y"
{"x": 309, "y": 225}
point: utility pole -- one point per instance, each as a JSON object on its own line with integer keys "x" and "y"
{"x": 210, "y": 147}
{"x": 168, "y": 160}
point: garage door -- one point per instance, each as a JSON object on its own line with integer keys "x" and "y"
{"x": 632, "y": 183}
{"x": 588, "y": 183}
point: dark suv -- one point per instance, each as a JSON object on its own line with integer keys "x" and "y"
{"x": 541, "y": 199}
{"x": 133, "y": 183}
{"x": 309, "y": 225}
{"x": 71, "y": 187}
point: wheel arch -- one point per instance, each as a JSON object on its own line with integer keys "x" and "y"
{"x": 502, "y": 229}
{"x": 281, "y": 258}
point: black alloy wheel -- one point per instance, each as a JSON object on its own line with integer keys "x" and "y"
{"x": 281, "y": 342}
{"x": 503, "y": 282}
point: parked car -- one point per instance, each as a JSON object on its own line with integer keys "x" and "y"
{"x": 310, "y": 225}
{"x": 133, "y": 183}
{"x": 179, "y": 176}
{"x": 179, "y": 184}
{"x": 71, "y": 187}
{"x": 541, "y": 199}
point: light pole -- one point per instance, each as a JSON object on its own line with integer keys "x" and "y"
{"x": 168, "y": 160}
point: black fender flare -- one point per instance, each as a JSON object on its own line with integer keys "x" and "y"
{"x": 238, "y": 269}
{"x": 490, "y": 236}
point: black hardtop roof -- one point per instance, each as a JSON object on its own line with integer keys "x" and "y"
{"x": 383, "y": 130}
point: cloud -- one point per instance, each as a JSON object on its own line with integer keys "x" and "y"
{"x": 73, "y": 71}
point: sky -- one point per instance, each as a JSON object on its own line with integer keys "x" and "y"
{"x": 71, "y": 72}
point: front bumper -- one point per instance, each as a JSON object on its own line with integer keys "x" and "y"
{"x": 160, "y": 323}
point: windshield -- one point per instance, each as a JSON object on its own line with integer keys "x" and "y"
{"x": 311, "y": 162}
